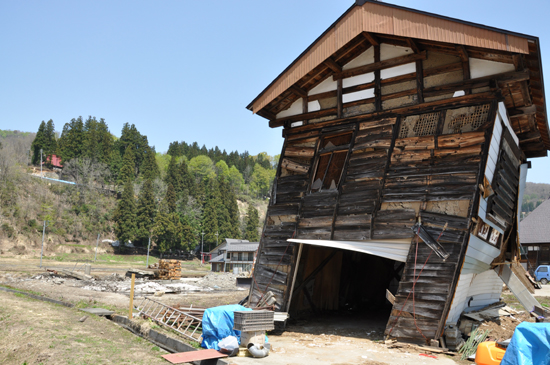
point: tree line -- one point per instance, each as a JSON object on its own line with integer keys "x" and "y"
{"x": 172, "y": 197}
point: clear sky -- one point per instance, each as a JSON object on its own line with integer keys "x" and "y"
{"x": 185, "y": 70}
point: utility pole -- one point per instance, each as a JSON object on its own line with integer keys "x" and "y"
{"x": 96, "y": 244}
{"x": 41, "y": 166}
{"x": 148, "y": 246}
{"x": 217, "y": 234}
{"x": 202, "y": 246}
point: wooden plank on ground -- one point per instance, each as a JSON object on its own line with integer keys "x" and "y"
{"x": 190, "y": 356}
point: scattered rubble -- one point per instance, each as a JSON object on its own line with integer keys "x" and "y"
{"x": 116, "y": 283}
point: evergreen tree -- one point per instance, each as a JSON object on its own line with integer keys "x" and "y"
{"x": 146, "y": 211}
{"x": 71, "y": 140}
{"x": 187, "y": 236}
{"x": 127, "y": 170}
{"x": 38, "y": 143}
{"x": 115, "y": 164}
{"x": 150, "y": 169}
{"x": 210, "y": 214}
{"x": 252, "y": 223}
{"x": 172, "y": 174}
{"x": 51, "y": 143}
{"x": 229, "y": 201}
{"x": 97, "y": 141}
{"x": 167, "y": 231}
{"x": 187, "y": 180}
{"x": 170, "y": 199}
{"x": 131, "y": 136}
{"x": 45, "y": 140}
{"x": 125, "y": 216}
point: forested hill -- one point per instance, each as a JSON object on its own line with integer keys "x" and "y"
{"x": 173, "y": 197}
{"x": 534, "y": 195}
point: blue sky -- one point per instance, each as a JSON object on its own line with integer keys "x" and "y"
{"x": 185, "y": 70}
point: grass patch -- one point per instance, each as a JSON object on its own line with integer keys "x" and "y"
{"x": 94, "y": 304}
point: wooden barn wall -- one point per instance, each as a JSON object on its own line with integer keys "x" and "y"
{"x": 425, "y": 162}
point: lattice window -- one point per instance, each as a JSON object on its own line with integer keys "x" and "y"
{"x": 470, "y": 121}
{"x": 419, "y": 125}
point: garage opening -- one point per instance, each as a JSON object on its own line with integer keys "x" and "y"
{"x": 346, "y": 280}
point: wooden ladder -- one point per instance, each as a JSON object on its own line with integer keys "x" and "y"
{"x": 182, "y": 322}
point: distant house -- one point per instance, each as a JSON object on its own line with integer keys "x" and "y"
{"x": 534, "y": 236}
{"x": 233, "y": 254}
{"x": 55, "y": 161}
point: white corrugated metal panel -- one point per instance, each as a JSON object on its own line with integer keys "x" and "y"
{"x": 522, "y": 179}
{"x": 459, "y": 298}
{"x": 503, "y": 113}
{"x": 391, "y": 249}
{"x": 481, "y": 250}
{"x": 493, "y": 150}
{"x": 517, "y": 287}
{"x": 474, "y": 292}
{"x": 474, "y": 266}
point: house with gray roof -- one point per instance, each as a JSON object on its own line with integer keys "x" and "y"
{"x": 534, "y": 236}
{"x": 233, "y": 255}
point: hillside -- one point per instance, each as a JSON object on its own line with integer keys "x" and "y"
{"x": 534, "y": 195}
{"x": 76, "y": 214}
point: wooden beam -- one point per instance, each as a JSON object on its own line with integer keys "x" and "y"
{"x": 392, "y": 62}
{"x": 413, "y": 45}
{"x": 371, "y": 38}
{"x": 444, "y": 103}
{"x": 463, "y": 53}
{"x": 304, "y": 105}
{"x": 339, "y": 99}
{"x": 419, "y": 81}
{"x": 333, "y": 65}
{"x": 377, "y": 81}
{"x": 267, "y": 114}
{"x": 298, "y": 91}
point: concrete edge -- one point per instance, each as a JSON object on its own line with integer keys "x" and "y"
{"x": 44, "y": 299}
{"x": 169, "y": 344}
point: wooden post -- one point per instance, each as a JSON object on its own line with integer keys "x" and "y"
{"x": 132, "y": 296}
{"x": 96, "y": 244}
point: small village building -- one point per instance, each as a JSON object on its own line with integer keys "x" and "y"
{"x": 535, "y": 237}
{"x": 406, "y": 144}
{"x": 234, "y": 255}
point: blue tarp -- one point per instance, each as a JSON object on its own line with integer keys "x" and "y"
{"x": 217, "y": 324}
{"x": 530, "y": 345}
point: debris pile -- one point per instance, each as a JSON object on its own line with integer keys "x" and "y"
{"x": 169, "y": 269}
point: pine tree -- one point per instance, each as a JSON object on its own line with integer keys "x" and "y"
{"x": 170, "y": 199}
{"x": 187, "y": 180}
{"x": 131, "y": 136}
{"x": 167, "y": 231}
{"x": 150, "y": 169}
{"x": 38, "y": 143}
{"x": 229, "y": 201}
{"x": 71, "y": 140}
{"x": 51, "y": 143}
{"x": 146, "y": 211}
{"x": 127, "y": 171}
{"x": 187, "y": 236}
{"x": 125, "y": 216}
{"x": 210, "y": 215}
{"x": 172, "y": 174}
{"x": 252, "y": 223}
{"x": 115, "y": 164}
{"x": 97, "y": 141}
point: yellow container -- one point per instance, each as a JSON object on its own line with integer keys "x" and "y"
{"x": 489, "y": 353}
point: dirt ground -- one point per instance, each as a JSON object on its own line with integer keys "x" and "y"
{"x": 35, "y": 332}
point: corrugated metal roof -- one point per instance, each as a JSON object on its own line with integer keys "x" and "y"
{"x": 535, "y": 228}
{"x": 218, "y": 258}
{"x": 393, "y": 20}
{"x": 243, "y": 247}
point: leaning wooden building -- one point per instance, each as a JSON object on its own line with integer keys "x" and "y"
{"x": 406, "y": 144}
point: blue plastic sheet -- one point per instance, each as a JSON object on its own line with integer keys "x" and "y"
{"x": 530, "y": 345}
{"x": 217, "y": 324}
